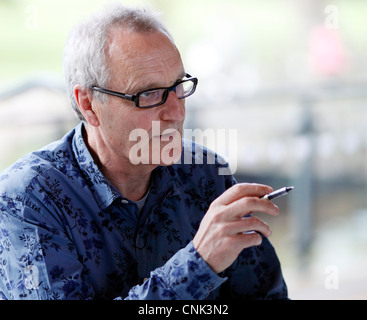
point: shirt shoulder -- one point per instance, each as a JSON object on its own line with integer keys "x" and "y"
{"x": 198, "y": 175}
{"x": 198, "y": 161}
{"x": 197, "y": 154}
{"x": 56, "y": 156}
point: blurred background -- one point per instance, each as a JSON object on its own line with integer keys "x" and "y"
{"x": 287, "y": 76}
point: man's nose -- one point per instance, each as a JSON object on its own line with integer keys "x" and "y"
{"x": 173, "y": 109}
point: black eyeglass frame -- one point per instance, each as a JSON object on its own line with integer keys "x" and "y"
{"x": 135, "y": 97}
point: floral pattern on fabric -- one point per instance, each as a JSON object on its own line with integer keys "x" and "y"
{"x": 67, "y": 233}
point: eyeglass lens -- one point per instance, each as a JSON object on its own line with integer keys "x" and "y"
{"x": 156, "y": 96}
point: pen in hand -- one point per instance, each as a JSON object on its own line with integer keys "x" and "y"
{"x": 278, "y": 193}
{"x": 270, "y": 196}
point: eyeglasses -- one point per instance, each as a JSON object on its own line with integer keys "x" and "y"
{"x": 156, "y": 97}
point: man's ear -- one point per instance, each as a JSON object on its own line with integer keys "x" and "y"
{"x": 84, "y": 99}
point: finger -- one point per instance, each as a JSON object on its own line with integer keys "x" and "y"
{"x": 249, "y": 224}
{"x": 241, "y": 190}
{"x": 247, "y": 205}
{"x": 250, "y": 239}
{"x": 245, "y": 240}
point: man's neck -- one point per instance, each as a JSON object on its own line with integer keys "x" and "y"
{"x": 132, "y": 181}
{"x": 133, "y": 187}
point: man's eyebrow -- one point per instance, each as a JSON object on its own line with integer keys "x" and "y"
{"x": 154, "y": 86}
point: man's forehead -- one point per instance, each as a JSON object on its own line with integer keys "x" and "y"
{"x": 130, "y": 42}
{"x": 144, "y": 56}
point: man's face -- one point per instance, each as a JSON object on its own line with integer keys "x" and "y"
{"x": 139, "y": 62}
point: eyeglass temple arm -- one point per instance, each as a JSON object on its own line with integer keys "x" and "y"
{"x": 114, "y": 93}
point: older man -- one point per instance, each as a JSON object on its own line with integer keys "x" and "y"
{"x": 81, "y": 219}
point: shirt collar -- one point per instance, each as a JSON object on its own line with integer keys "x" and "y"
{"x": 104, "y": 192}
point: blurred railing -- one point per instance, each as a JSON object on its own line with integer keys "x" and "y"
{"x": 314, "y": 138}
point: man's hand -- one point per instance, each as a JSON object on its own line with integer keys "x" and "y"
{"x": 222, "y": 232}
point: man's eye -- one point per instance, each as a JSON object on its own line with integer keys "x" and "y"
{"x": 145, "y": 94}
{"x": 150, "y": 94}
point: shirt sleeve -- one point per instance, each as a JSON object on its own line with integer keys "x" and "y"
{"x": 37, "y": 258}
{"x": 185, "y": 276}
{"x": 39, "y": 262}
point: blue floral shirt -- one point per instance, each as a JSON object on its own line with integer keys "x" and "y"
{"x": 67, "y": 233}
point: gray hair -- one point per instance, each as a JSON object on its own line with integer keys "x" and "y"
{"x": 85, "y": 60}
